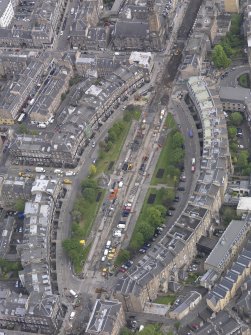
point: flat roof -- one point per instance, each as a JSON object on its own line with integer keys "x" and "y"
{"x": 244, "y": 204}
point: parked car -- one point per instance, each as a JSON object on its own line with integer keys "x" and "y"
{"x": 142, "y": 251}
{"x": 129, "y": 263}
{"x": 181, "y": 188}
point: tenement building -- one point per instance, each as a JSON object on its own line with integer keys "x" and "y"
{"x": 40, "y": 310}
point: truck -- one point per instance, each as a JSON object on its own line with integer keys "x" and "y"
{"x": 39, "y": 169}
{"x": 73, "y": 293}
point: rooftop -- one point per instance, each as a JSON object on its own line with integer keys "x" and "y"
{"x": 103, "y": 316}
{"x": 230, "y": 237}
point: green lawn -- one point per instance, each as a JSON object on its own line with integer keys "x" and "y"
{"x": 191, "y": 278}
{"x": 105, "y": 160}
{"x": 166, "y": 300}
{"x": 102, "y": 164}
{"x": 83, "y": 215}
{"x": 89, "y": 212}
{"x": 79, "y": 264}
{"x": 171, "y": 174}
{"x": 9, "y": 269}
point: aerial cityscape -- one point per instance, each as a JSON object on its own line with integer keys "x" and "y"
{"x": 125, "y": 167}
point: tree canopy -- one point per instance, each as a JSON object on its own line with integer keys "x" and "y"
{"x": 220, "y": 58}
{"x": 236, "y": 119}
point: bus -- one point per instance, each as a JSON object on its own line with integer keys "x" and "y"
{"x": 21, "y": 118}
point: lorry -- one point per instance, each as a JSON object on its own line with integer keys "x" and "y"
{"x": 73, "y": 293}
{"x": 39, "y": 169}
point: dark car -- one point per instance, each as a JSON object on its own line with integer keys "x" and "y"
{"x": 129, "y": 263}
{"x": 171, "y": 208}
{"x": 125, "y": 214}
{"x": 176, "y": 199}
{"x": 169, "y": 213}
{"x": 181, "y": 188}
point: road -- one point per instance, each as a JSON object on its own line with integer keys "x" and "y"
{"x": 62, "y": 41}
{"x": 231, "y": 79}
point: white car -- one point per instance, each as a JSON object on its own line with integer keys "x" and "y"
{"x": 61, "y": 33}
{"x": 93, "y": 144}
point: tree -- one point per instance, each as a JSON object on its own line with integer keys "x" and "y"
{"x": 20, "y": 205}
{"x": 235, "y": 24}
{"x": 154, "y": 216}
{"x": 177, "y": 325}
{"x": 137, "y": 241}
{"x": 122, "y": 257}
{"x": 89, "y": 183}
{"x": 22, "y": 129}
{"x": 220, "y": 58}
{"x": 233, "y": 147}
{"x": 92, "y": 170}
{"x": 146, "y": 230}
{"x": 232, "y": 132}
{"x": 153, "y": 329}
{"x": 112, "y": 135}
{"x": 89, "y": 194}
{"x": 242, "y": 160}
{"x": 108, "y": 146}
{"x": 225, "y": 43}
{"x": 177, "y": 156}
{"x": 228, "y": 214}
{"x": 177, "y": 140}
{"x": 161, "y": 208}
{"x": 236, "y": 119}
{"x": 76, "y": 215}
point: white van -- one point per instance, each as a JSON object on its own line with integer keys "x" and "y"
{"x": 39, "y": 169}
{"x": 72, "y": 315}
{"x": 121, "y": 226}
{"x": 58, "y": 171}
{"x": 193, "y": 161}
{"x": 41, "y": 125}
{"x": 73, "y": 293}
{"x": 72, "y": 11}
{"x": 70, "y": 173}
{"x": 106, "y": 251}
{"x": 108, "y": 244}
